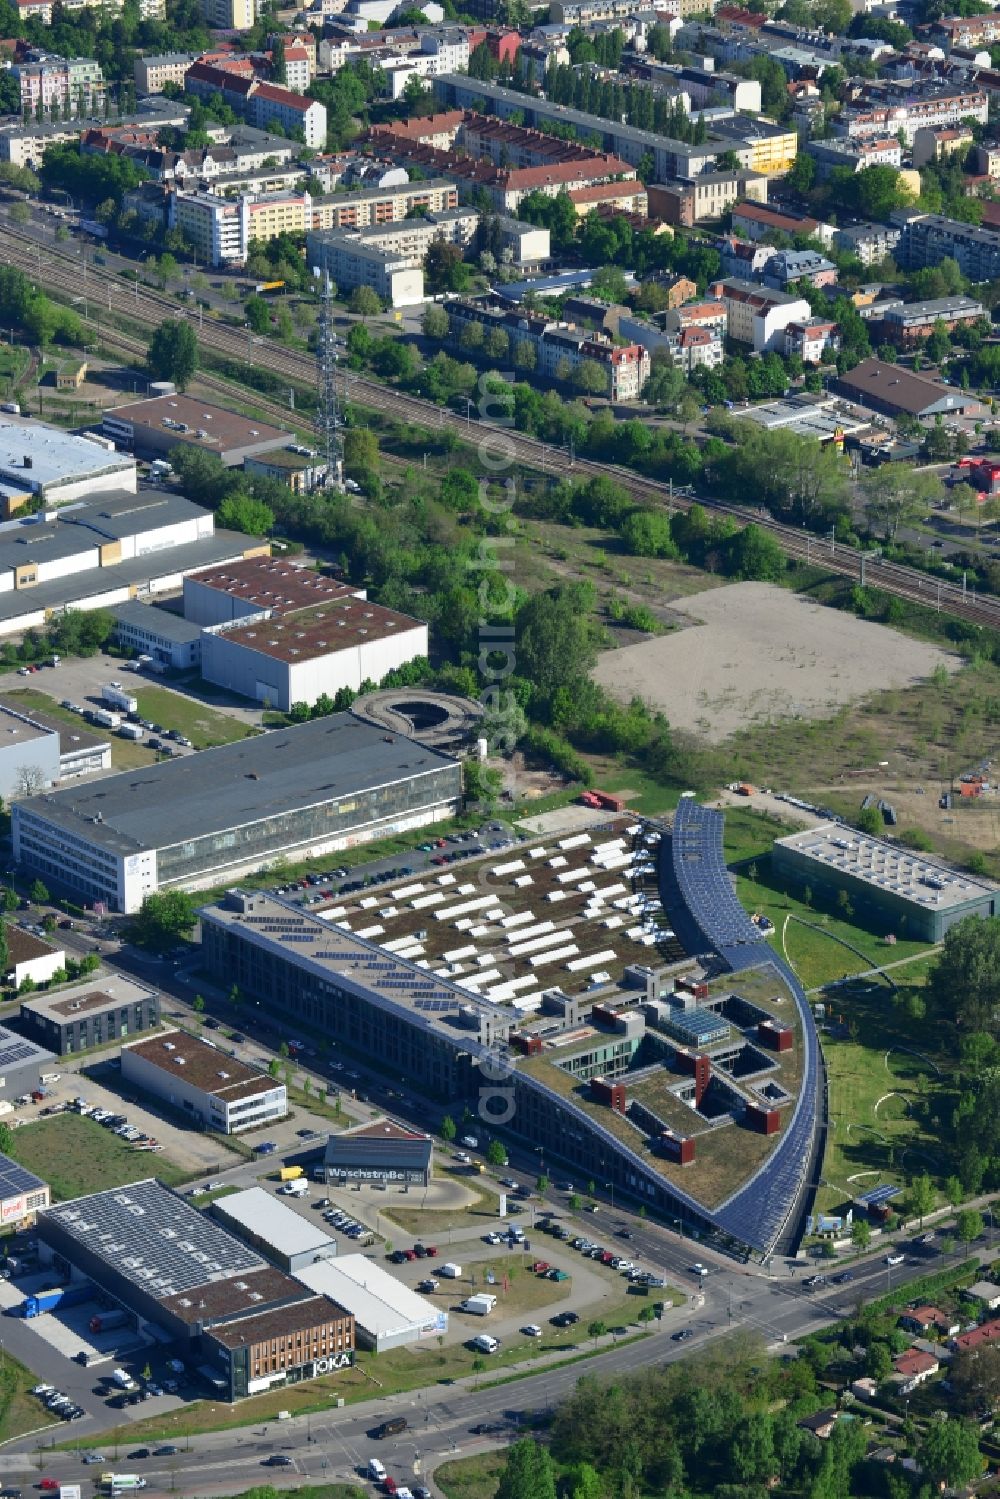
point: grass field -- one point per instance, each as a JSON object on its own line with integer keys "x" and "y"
{"x": 471, "y": 1477}
{"x": 880, "y": 1084}
{"x": 75, "y": 1155}
{"x": 202, "y": 724}
{"x": 125, "y": 753}
{"x": 19, "y": 1411}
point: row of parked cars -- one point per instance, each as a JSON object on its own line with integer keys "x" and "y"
{"x": 418, "y": 1252}
{"x": 118, "y": 1125}
{"x": 59, "y": 1404}
{"x": 345, "y": 1224}
{"x": 634, "y": 1273}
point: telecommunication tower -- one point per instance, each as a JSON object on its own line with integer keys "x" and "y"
{"x": 329, "y": 417}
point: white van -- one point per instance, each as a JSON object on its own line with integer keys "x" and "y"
{"x": 376, "y": 1471}
{"x": 484, "y": 1343}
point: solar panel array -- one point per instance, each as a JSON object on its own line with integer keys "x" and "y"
{"x": 698, "y": 894}
{"x": 14, "y": 1049}
{"x": 879, "y": 1195}
{"x": 155, "y": 1240}
{"x": 14, "y": 1179}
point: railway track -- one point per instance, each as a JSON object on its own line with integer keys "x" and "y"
{"x": 61, "y": 272}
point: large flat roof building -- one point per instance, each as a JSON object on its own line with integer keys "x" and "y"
{"x": 44, "y": 463}
{"x": 22, "y": 1194}
{"x": 895, "y": 391}
{"x": 172, "y": 641}
{"x": 243, "y": 589}
{"x": 282, "y": 1235}
{"x": 918, "y": 897}
{"x": 201, "y": 819}
{"x": 298, "y": 657}
{"x": 386, "y": 1313}
{"x": 216, "y": 1090}
{"x": 151, "y": 428}
{"x": 22, "y": 1063}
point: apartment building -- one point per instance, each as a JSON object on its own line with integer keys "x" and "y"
{"x": 884, "y": 114}
{"x": 927, "y": 238}
{"x": 439, "y": 52}
{"x": 758, "y": 315}
{"x": 760, "y": 144}
{"x": 704, "y": 86}
{"x": 813, "y": 341}
{"x": 49, "y": 84}
{"x": 855, "y": 154}
{"x": 261, "y": 104}
{"x": 383, "y": 205}
{"x": 351, "y": 263}
{"x": 560, "y": 348}
{"x": 871, "y": 243}
{"x": 935, "y": 144}
{"x": 905, "y": 323}
{"x": 788, "y": 268}
{"x": 756, "y": 221}
{"x": 706, "y": 197}
{"x": 690, "y": 349}
{"x": 216, "y": 227}
{"x": 152, "y": 72}
{"x": 228, "y": 15}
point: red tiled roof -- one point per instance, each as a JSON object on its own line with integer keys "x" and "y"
{"x": 987, "y": 1332}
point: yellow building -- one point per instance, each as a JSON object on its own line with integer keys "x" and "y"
{"x": 278, "y": 213}
{"x": 773, "y": 148}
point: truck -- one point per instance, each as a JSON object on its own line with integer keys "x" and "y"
{"x": 451, "y": 1270}
{"x": 69, "y": 1491}
{"x": 297, "y": 1188}
{"x": 121, "y": 1483}
{"x": 130, "y": 731}
{"x": 107, "y": 719}
{"x": 105, "y": 1321}
{"x": 603, "y": 800}
{"x": 47, "y": 1301}
{"x": 479, "y": 1305}
{"x": 289, "y": 1173}
{"x": 123, "y": 1379}
{"x": 117, "y": 696}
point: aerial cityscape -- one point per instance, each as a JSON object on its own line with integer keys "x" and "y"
{"x": 499, "y": 699}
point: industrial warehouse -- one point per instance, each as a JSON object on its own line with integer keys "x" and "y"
{"x": 252, "y": 1326}
{"x": 195, "y": 821}
{"x": 216, "y": 1091}
{"x": 918, "y": 898}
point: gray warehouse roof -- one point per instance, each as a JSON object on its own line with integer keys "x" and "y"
{"x": 56, "y": 457}
{"x": 286, "y": 1231}
{"x": 15, "y": 1051}
{"x": 121, "y": 515}
{"x": 236, "y": 784}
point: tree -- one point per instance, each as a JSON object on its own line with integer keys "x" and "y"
{"x": 975, "y": 1378}
{"x": 869, "y": 820}
{"x": 922, "y": 1197}
{"x": 752, "y": 1449}
{"x": 6, "y": 1141}
{"x": 949, "y": 1454}
{"x": 596, "y": 1329}
{"x": 968, "y": 1225}
{"x": 163, "y": 919}
{"x": 861, "y": 1233}
{"x": 528, "y": 1473}
{"x": 239, "y": 511}
{"x": 30, "y": 779}
{"x": 258, "y": 315}
{"x": 365, "y": 302}
{"x": 436, "y": 323}
{"x": 963, "y": 987}
{"x": 39, "y": 893}
{"x": 878, "y": 1361}
{"x": 198, "y": 1004}
{"x": 360, "y": 451}
{"x": 542, "y": 1183}
{"x": 173, "y": 353}
{"x": 274, "y": 1067}
{"x": 896, "y": 494}
{"x": 755, "y": 556}
{"x": 555, "y": 644}
{"x": 448, "y": 1130}
{"x": 496, "y": 1154}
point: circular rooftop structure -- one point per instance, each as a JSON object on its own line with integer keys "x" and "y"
{"x": 443, "y": 719}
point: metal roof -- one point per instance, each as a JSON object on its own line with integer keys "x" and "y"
{"x": 380, "y": 1304}
{"x": 278, "y": 1226}
{"x": 157, "y": 622}
{"x": 236, "y": 785}
{"x": 888, "y": 867}
{"x": 15, "y": 1051}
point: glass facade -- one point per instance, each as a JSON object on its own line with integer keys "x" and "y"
{"x": 340, "y": 816}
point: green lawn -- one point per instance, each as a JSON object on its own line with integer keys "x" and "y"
{"x": 471, "y": 1477}
{"x": 75, "y": 1156}
{"x": 19, "y": 1410}
{"x": 202, "y": 724}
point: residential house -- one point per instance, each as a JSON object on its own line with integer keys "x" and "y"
{"x": 912, "y": 1368}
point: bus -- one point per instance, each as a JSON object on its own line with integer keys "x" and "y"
{"x": 263, "y": 287}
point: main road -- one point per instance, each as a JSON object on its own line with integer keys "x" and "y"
{"x": 96, "y": 288}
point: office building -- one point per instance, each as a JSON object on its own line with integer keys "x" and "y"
{"x": 310, "y": 653}
{"x": 94, "y": 1012}
{"x": 386, "y": 1313}
{"x": 285, "y": 1346}
{"x": 201, "y": 819}
{"x": 706, "y": 197}
{"x": 22, "y": 1063}
{"x": 903, "y": 323}
{"x": 282, "y": 1235}
{"x": 37, "y": 750}
{"x": 379, "y": 1152}
{"x": 194, "y": 1077}
{"x": 172, "y": 642}
{"x": 351, "y": 263}
{"x": 913, "y": 896}
{"x": 152, "y": 428}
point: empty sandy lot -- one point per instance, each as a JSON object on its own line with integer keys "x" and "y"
{"x": 754, "y": 653}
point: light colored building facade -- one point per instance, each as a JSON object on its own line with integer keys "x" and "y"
{"x": 151, "y": 73}
{"x": 758, "y": 316}
{"x": 196, "y": 1078}
{"x": 229, "y": 15}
